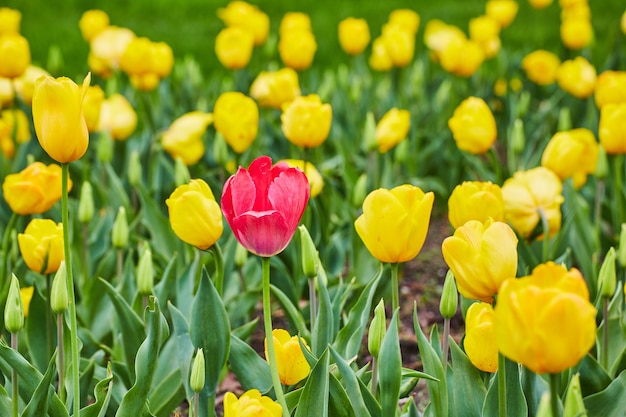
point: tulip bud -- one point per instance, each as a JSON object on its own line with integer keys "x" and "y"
{"x": 442, "y": 95}
{"x": 119, "y": 235}
{"x": 377, "y": 329}
{"x": 360, "y": 190}
{"x": 607, "y": 277}
{"x": 13, "y": 310}
{"x": 309, "y": 253}
{"x": 220, "y": 149}
{"x": 369, "y": 133}
{"x": 574, "y": 405}
{"x": 565, "y": 119}
{"x": 402, "y": 151}
{"x": 145, "y": 272}
{"x": 134, "y": 169}
{"x": 59, "y": 298}
{"x": 196, "y": 380}
{"x": 518, "y": 137}
{"x": 181, "y": 172}
{"x": 55, "y": 59}
{"x": 85, "y": 204}
{"x": 602, "y": 166}
{"x": 523, "y": 103}
{"x": 621, "y": 250}
{"x": 104, "y": 148}
{"x": 449, "y": 297}
{"x": 241, "y": 255}
{"x": 30, "y": 159}
{"x": 544, "y": 406}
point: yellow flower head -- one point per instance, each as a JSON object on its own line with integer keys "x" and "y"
{"x": 34, "y": 190}
{"x": 41, "y": 245}
{"x": 473, "y": 126}
{"x": 610, "y": 88}
{"x": 292, "y": 21}
{"x": 541, "y": 67}
{"x": 480, "y": 337}
{"x": 502, "y": 11}
{"x": 107, "y": 48}
{"x": 297, "y": 49}
{"x": 475, "y": 200}
{"x": 275, "y": 88}
{"x": 248, "y": 17}
{"x": 9, "y": 20}
{"x": 291, "y": 363}
{"x": 250, "y": 404}
{"x": 392, "y": 129}
{"x": 93, "y": 22}
{"x": 183, "y": 139}
{"x": 577, "y": 77}
{"x": 576, "y": 33}
{"x": 405, "y": 18}
{"x": 118, "y": 117}
{"x": 611, "y": 129}
{"x": 354, "y": 35}
{"x": 572, "y": 153}
{"x": 233, "y": 47}
{"x": 14, "y": 55}
{"x": 236, "y": 117}
{"x": 306, "y": 121}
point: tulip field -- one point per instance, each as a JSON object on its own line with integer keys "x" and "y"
{"x": 337, "y": 211}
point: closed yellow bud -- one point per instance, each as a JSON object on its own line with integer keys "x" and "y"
{"x": 572, "y": 153}
{"x": 399, "y": 43}
{"x": 34, "y": 190}
{"x": 610, "y": 88}
{"x": 41, "y": 245}
{"x": 316, "y": 181}
{"x": 93, "y": 22}
{"x": 290, "y": 361}
{"x": 406, "y": 19}
{"x": 481, "y": 256}
{"x": 577, "y": 77}
{"x": 195, "y": 216}
{"x": 292, "y": 21}
{"x": 297, "y": 49}
{"x": 502, "y": 11}
{"x": 528, "y": 192}
{"x": 576, "y": 33}
{"x": 236, "y": 117}
{"x": 183, "y": 139}
{"x": 14, "y": 55}
{"x": 94, "y": 97}
{"x": 461, "y": 56}
{"x": 246, "y": 16}
{"x": 273, "y": 89}
{"x": 306, "y": 121}
{"x": 58, "y": 117}
{"x": 9, "y": 21}
{"x": 354, "y": 35}
{"x": 545, "y": 321}
{"x": 117, "y": 117}
{"x": 611, "y": 129}
{"x": 250, "y": 404}
{"x": 395, "y": 222}
{"x": 473, "y": 126}
{"x": 380, "y": 59}
{"x": 541, "y": 67}
{"x": 392, "y": 129}
{"x": 475, "y": 200}
{"x": 233, "y": 47}
{"x": 480, "y": 337}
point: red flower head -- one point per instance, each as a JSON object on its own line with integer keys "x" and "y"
{"x": 264, "y": 204}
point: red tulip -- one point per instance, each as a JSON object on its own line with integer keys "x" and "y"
{"x": 264, "y": 204}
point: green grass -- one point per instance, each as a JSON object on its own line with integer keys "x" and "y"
{"x": 190, "y": 26}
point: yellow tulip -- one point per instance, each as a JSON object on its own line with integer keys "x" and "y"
{"x": 502, "y": 11}
{"x": 248, "y": 17}
{"x": 473, "y": 126}
{"x": 162, "y": 59}
{"x": 25, "y": 84}
{"x": 294, "y": 21}
{"x": 94, "y": 97}
{"x": 251, "y": 404}
{"x": 9, "y": 20}
{"x": 380, "y": 59}
{"x": 475, "y": 200}
{"x": 118, "y": 117}
{"x": 7, "y": 146}
{"x": 93, "y": 22}
{"x": 14, "y": 55}
{"x": 481, "y": 256}
{"x": 577, "y": 77}
{"x": 354, "y": 35}
{"x": 146, "y": 62}
{"x": 41, "y": 245}
{"x": 545, "y": 321}
{"x": 529, "y": 192}
{"x": 306, "y": 121}
{"x": 461, "y": 56}
{"x": 291, "y": 363}
{"x": 541, "y": 67}
{"x": 480, "y": 337}
{"x": 236, "y": 117}
{"x": 26, "y": 294}
{"x": 16, "y": 120}
{"x": 576, "y": 33}
{"x": 297, "y": 49}
{"x": 107, "y": 48}
{"x": 194, "y": 214}
{"x": 610, "y": 88}
{"x": 183, "y": 139}
{"x": 405, "y": 18}
{"x": 392, "y": 129}
{"x": 58, "y": 117}
{"x": 611, "y": 129}
{"x": 540, "y": 4}
{"x": 394, "y": 222}
{"x": 483, "y": 28}
{"x": 623, "y": 26}
{"x": 35, "y": 189}
{"x": 400, "y": 44}
{"x": 312, "y": 174}
{"x": 233, "y": 47}
{"x": 572, "y": 153}
{"x": 275, "y": 88}
{"x": 6, "y": 92}
{"x": 438, "y": 35}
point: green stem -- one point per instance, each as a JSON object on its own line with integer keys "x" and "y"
{"x": 619, "y": 175}
{"x": 85, "y": 253}
{"x": 60, "y": 357}
{"x": 120, "y": 266}
{"x": 502, "y": 384}
{"x": 312, "y": 301}
{"x": 445, "y": 342}
{"x": 554, "y": 395}
{"x": 14, "y": 378}
{"x": 605, "y": 333}
{"x": 70, "y": 286}
{"x": 49, "y": 316}
{"x": 374, "y": 384}
{"x": 597, "y": 217}
{"x": 269, "y": 338}
{"x": 497, "y": 168}
{"x": 196, "y": 398}
{"x": 219, "y": 267}
{"x": 546, "y": 235}
{"x": 395, "y": 290}
{"x": 5, "y": 248}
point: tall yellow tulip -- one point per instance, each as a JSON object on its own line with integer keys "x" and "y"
{"x": 473, "y": 126}
{"x": 297, "y": 49}
{"x": 41, "y": 245}
{"x": 480, "y": 337}
{"x": 572, "y": 153}
{"x": 236, "y": 117}
{"x": 233, "y": 47}
{"x": 354, "y": 35}
{"x": 292, "y": 365}
{"x": 58, "y": 117}
{"x": 394, "y": 222}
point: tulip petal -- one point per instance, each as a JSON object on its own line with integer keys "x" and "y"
{"x": 290, "y": 193}
{"x": 264, "y": 233}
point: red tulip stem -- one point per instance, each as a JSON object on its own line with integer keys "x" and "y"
{"x": 14, "y": 378}
{"x": 70, "y": 287}
{"x": 269, "y": 338}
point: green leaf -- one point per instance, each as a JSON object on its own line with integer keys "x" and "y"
{"x": 467, "y": 385}
{"x": 37, "y": 343}
{"x": 29, "y": 379}
{"x": 533, "y": 386}
{"x": 102, "y": 394}
{"x": 182, "y": 339}
{"x": 167, "y": 394}
{"x": 610, "y": 402}
{"x": 515, "y": 399}
{"x": 593, "y": 378}
{"x": 351, "y": 385}
{"x": 5, "y": 402}
{"x": 115, "y": 192}
{"x": 38, "y": 404}
{"x": 135, "y": 401}
{"x": 348, "y": 341}
{"x": 323, "y": 329}
{"x": 249, "y": 368}
{"x": 339, "y": 404}
{"x": 210, "y": 330}
{"x": 411, "y": 409}
{"x": 314, "y": 398}
{"x": 166, "y": 288}
{"x": 390, "y": 369}
{"x": 438, "y": 391}
{"x": 291, "y": 311}
{"x": 163, "y": 238}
